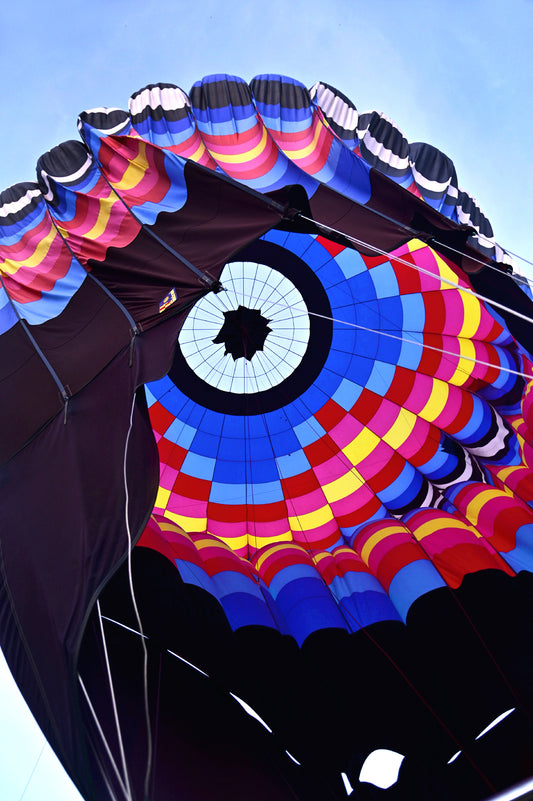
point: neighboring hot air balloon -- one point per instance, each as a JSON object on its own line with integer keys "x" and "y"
{"x": 333, "y": 551}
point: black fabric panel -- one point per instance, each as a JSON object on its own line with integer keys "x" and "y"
{"x": 213, "y": 94}
{"x": 78, "y": 344}
{"x": 218, "y": 218}
{"x": 22, "y": 371}
{"x": 391, "y": 217}
{"x": 63, "y": 532}
{"x": 206, "y": 748}
{"x": 500, "y": 287}
{"x": 266, "y": 89}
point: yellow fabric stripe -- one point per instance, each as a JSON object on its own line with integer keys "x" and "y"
{"x": 188, "y": 523}
{"x": 198, "y": 153}
{"x": 136, "y": 169}
{"x": 431, "y": 526}
{"x": 464, "y": 368}
{"x": 262, "y": 559}
{"x": 400, "y": 430}
{"x": 304, "y": 151}
{"x": 416, "y": 244}
{"x": 378, "y": 537}
{"x": 476, "y": 505}
{"x": 234, "y": 543}
{"x": 240, "y": 158}
{"x": 210, "y": 542}
{"x": 445, "y": 271}
{"x": 471, "y": 317}
{"x": 106, "y": 206}
{"x": 436, "y": 401}
{"x": 10, "y": 267}
{"x": 342, "y": 487}
{"x": 168, "y": 525}
{"x": 162, "y": 498}
{"x": 259, "y": 541}
{"x": 311, "y": 520}
{"x": 505, "y": 472}
{"x": 361, "y": 447}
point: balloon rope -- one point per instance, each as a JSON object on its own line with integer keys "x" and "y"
{"x": 391, "y": 257}
{"x": 426, "y": 346}
{"x": 30, "y": 777}
{"x": 518, "y": 277}
{"x": 522, "y": 258}
{"x": 242, "y": 704}
{"x": 157, "y": 710}
{"x": 422, "y": 344}
{"x": 92, "y": 710}
{"x": 136, "y": 608}
{"x": 207, "y": 279}
{"x": 114, "y": 703}
{"x": 493, "y": 243}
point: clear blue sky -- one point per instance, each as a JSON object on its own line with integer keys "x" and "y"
{"x": 456, "y": 73}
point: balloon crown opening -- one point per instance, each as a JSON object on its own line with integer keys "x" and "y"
{"x": 244, "y": 332}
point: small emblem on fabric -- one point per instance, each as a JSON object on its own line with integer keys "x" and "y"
{"x": 168, "y": 300}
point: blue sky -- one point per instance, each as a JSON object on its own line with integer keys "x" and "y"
{"x": 456, "y": 74}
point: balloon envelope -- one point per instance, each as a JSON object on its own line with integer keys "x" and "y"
{"x": 294, "y": 304}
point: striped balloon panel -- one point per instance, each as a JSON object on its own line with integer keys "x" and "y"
{"x": 92, "y": 208}
{"x": 162, "y": 114}
{"x": 427, "y": 550}
{"x": 387, "y": 426}
{"x": 284, "y": 587}
{"x": 382, "y": 145}
{"x": 371, "y": 135}
{"x": 419, "y": 167}
{"x": 322, "y": 590}
{"x": 298, "y": 130}
{"x": 435, "y": 178}
{"x": 400, "y": 564}
{"x": 39, "y": 273}
{"x": 390, "y": 565}
{"x": 338, "y": 112}
{"x": 361, "y": 597}
{"x": 102, "y": 122}
{"x": 84, "y": 206}
{"x": 92, "y": 204}
{"x": 237, "y": 139}
{"x": 207, "y": 563}
{"x": 455, "y": 547}
{"x": 275, "y": 132}
{"x": 8, "y": 316}
{"x": 132, "y": 163}
{"x": 527, "y": 405}
{"x": 516, "y": 479}
{"x": 114, "y": 208}
{"x": 505, "y": 521}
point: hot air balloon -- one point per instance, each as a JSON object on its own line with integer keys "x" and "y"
{"x": 266, "y": 482}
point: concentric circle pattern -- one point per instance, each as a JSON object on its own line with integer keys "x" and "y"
{"x": 252, "y": 286}
{"x": 403, "y": 409}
